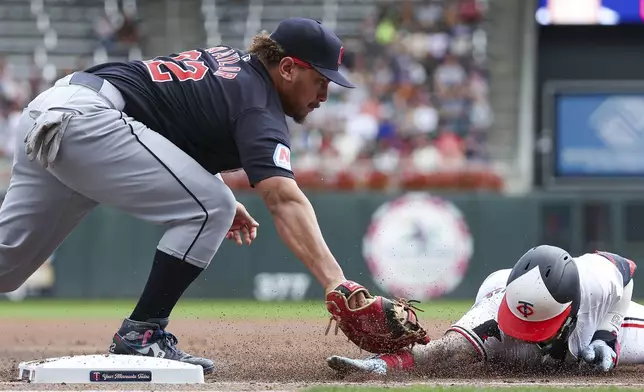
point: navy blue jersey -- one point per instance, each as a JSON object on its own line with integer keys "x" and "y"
{"x": 218, "y": 105}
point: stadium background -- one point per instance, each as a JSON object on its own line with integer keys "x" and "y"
{"x": 478, "y": 129}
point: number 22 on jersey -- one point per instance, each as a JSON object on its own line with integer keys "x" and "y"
{"x": 195, "y": 69}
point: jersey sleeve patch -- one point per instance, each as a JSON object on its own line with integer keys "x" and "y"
{"x": 282, "y": 157}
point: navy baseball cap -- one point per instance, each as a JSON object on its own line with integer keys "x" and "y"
{"x": 312, "y": 45}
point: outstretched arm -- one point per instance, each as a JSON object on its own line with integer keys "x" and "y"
{"x": 262, "y": 139}
{"x": 297, "y": 225}
{"x": 450, "y": 351}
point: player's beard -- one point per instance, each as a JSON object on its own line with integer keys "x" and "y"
{"x": 291, "y": 111}
{"x": 299, "y": 118}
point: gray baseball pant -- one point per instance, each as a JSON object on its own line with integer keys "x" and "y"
{"x": 109, "y": 158}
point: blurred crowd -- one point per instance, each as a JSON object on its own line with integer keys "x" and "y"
{"x": 422, "y": 99}
{"x": 420, "y": 108}
{"x": 115, "y": 32}
{"x": 14, "y": 94}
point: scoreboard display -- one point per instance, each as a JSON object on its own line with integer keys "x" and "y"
{"x": 589, "y": 12}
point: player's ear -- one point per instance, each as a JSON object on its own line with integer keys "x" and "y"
{"x": 286, "y": 67}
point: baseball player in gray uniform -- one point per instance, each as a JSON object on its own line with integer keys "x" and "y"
{"x": 150, "y": 138}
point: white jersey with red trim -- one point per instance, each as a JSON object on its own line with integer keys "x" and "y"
{"x": 602, "y": 288}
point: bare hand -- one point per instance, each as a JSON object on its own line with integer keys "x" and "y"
{"x": 243, "y": 225}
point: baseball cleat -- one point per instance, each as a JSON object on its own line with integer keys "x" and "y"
{"x": 152, "y": 340}
{"x": 373, "y": 365}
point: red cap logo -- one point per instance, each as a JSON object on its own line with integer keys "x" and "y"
{"x": 525, "y": 308}
{"x": 341, "y": 54}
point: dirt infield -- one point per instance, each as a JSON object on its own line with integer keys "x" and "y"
{"x": 254, "y": 355}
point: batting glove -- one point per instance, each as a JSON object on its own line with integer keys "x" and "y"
{"x": 600, "y": 354}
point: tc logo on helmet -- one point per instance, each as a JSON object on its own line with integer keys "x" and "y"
{"x": 525, "y": 308}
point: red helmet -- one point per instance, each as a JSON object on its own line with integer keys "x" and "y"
{"x": 542, "y": 296}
